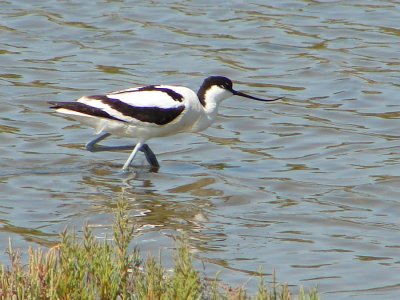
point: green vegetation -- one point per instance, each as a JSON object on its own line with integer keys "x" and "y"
{"x": 93, "y": 269}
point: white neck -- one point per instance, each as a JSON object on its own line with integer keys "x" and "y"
{"x": 212, "y": 98}
{"x": 215, "y": 95}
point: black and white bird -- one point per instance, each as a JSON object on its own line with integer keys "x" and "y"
{"x": 149, "y": 112}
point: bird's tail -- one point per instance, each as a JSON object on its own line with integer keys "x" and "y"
{"x": 81, "y": 109}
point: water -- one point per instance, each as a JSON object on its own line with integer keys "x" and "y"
{"x": 308, "y": 186}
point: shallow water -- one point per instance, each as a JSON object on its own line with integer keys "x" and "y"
{"x": 308, "y": 186}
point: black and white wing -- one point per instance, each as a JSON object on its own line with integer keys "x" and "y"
{"x": 153, "y": 104}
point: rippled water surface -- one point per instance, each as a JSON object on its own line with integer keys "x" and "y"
{"x": 308, "y": 186}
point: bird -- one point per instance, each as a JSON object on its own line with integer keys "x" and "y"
{"x": 149, "y": 112}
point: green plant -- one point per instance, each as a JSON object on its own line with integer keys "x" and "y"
{"x": 89, "y": 268}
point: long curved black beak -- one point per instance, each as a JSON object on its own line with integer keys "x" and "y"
{"x": 237, "y": 93}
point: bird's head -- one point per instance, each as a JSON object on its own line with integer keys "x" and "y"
{"x": 218, "y": 88}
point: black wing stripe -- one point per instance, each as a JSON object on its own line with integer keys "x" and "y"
{"x": 156, "y": 115}
{"x": 84, "y": 109}
{"x": 149, "y": 88}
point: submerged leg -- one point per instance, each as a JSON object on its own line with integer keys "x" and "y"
{"x": 92, "y": 147}
{"x": 131, "y": 156}
{"x": 150, "y": 156}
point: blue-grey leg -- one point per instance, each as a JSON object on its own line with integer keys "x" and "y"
{"x": 93, "y": 146}
{"x": 150, "y": 156}
{"x": 131, "y": 156}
